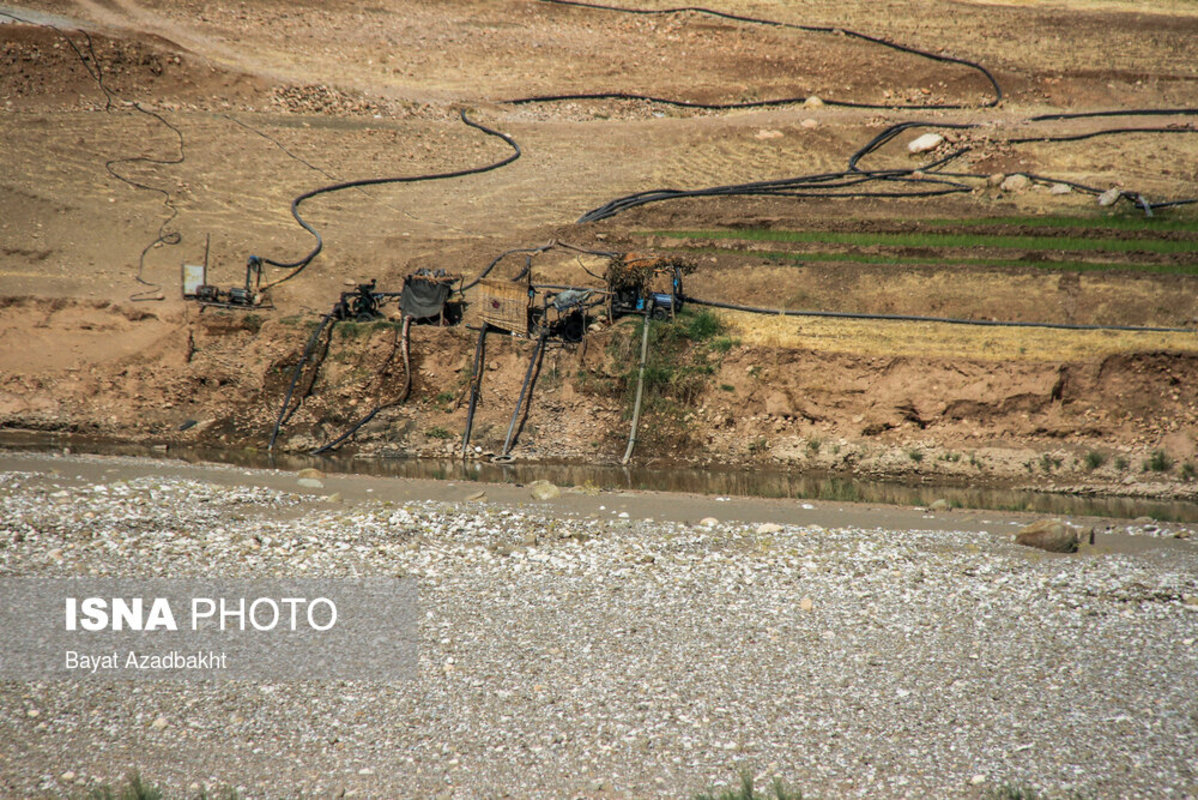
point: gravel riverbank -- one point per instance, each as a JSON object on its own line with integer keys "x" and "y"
{"x": 573, "y": 648}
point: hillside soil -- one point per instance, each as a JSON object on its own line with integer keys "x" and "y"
{"x": 186, "y": 128}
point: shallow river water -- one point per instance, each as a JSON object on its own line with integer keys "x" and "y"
{"x": 769, "y": 483}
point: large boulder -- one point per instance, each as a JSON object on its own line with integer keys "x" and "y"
{"x": 543, "y": 490}
{"x": 1051, "y": 535}
{"x": 925, "y": 144}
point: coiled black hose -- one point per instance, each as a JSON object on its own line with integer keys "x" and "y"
{"x": 930, "y": 178}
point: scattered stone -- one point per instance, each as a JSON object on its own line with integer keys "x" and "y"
{"x": 67, "y": 776}
{"x": 1048, "y": 534}
{"x": 489, "y": 617}
{"x": 709, "y": 522}
{"x": 766, "y": 133}
{"x": 925, "y": 143}
{"x": 813, "y": 101}
{"x": 996, "y": 179}
{"x": 159, "y": 723}
{"x": 480, "y": 495}
{"x": 768, "y": 527}
{"x": 543, "y": 490}
{"x": 939, "y": 505}
{"x": 1015, "y": 183}
{"x": 1060, "y": 188}
{"x": 365, "y": 771}
{"x": 335, "y": 497}
{"x": 310, "y": 472}
{"x": 310, "y": 483}
{"x": 809, "y": 123}
{"x": 1109, "y": 197}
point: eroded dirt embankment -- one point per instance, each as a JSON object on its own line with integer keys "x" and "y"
{"x": 1121, "y": 423}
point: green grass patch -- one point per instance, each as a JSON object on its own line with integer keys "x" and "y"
{"x": 936, "y": 260}
{"x": 1179, "y": 221}
{"x": 934, "y": 240}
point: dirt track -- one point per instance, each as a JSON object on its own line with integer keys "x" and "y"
{"x": 271, "y": 99}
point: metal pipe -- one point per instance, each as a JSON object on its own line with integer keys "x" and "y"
{"x": 476, "y": 379}
{"x": 526, "y": 387}
{"x": 640, "y": 385}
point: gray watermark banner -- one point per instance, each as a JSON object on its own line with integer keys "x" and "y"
{"x": 208, "y": 629}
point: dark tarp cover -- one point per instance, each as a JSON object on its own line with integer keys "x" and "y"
{"x": 423, "y": 298}
{"x": 570, "y": 298}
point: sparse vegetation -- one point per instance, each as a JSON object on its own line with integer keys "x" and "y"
{"x": 677, "y": 369}
{"x": 915, "y": 455}
{"x": 1019, "y": 791}
{"x": 700, "y": 326}
{"x": 1120, "y": 463}
{"x": 1009, "y": 791}
{"x": 1094, "y": 460}
{"x": 1159, "y": 461}
{"x": 949, "y": 241}
{"x": 134, "y": 788}
{"x": 746, "y": 791}
{"x": 1049, "y": 462}
{"x": 438, "y": 432}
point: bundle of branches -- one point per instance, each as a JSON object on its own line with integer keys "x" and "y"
{"x": 636, "y": 271}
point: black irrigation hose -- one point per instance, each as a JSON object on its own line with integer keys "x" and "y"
{"x": 91, "y": 64}
{"x": 930, "y": 177}
{"x": 530, "y": 251}
{"x": 298, "y": 265}
{"x": 403, "y": 396}
{"x": 476, "y": 380}
{"x": 1126, "y": 112}
{"x": 325, "y": 322}
{"x": 513, "y": 431}
{"x": 778, "y": 101}
{"x": 163, "y": 237}
{"x": 944, "y": 320}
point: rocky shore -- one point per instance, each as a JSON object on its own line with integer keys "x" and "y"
{"x": 622, "y": 645}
